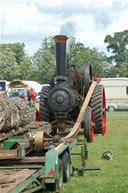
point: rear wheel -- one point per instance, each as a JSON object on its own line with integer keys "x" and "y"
{"x": 98, "y": 104}
{"x": 66, "y": 166}
{"x": 44, "y": 111}
{"x": 88, "y": 125}
{"x": 60, "y": 180}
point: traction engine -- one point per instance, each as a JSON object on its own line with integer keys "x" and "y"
{"x": 61, "y": 101}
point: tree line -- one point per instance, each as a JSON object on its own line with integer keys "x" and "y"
{"x": 15, "y": 63}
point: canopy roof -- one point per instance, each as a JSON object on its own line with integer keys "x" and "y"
{"x": 17, "y": 84}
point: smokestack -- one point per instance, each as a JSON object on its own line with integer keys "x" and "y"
{"x": 60, "y": 41}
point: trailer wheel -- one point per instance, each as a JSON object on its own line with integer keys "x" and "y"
{"x": 88, "y": 125}
{"x": 66, "y": 166}
{"x": 98, "y": 104}
{"x": 44, "y": 112}
{"x": 60, "y": 180}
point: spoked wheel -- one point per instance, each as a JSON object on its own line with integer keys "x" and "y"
{"x": 88, "y": 125}
{"x": 99, "y": 110}
{"x": 59, "y": 183}
{"x": 66, "y": 166}
{"x": 87, "y": 77}
{"x": 44, "y": 112}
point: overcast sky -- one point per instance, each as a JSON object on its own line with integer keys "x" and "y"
{"x": 29, "y": 21}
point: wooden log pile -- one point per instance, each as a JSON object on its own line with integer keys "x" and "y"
{"x": 14, "y": 113}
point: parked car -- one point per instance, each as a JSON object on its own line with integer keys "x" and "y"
{"x": 20, "y": 93}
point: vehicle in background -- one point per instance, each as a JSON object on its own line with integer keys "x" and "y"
{"x": 19, "y": 93}
{"x": 4, "y": 85}
{"x": 116, "y": 90}
{"x": 4, "y": 88}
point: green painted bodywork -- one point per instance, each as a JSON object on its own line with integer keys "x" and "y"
{"x": 22, "y": 167}
{"x": 8, "y": 144}
{"x": 51, "y": 160}
{"x": 49, "y": 173}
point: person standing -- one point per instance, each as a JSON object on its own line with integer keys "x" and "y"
{"x": 32, "y": 95}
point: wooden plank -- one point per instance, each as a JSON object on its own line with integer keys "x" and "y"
{"x": 8, "y": 154}
{"x": 9, "y": 179}
{"x": 26, "y": 160}
{"x": 75, "y": 130}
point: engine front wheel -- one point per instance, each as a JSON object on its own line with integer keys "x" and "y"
{"x": 44, "y": 111}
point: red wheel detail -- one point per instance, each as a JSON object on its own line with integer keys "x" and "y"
{"x": 97, "y": 78}
{"x": 92, "y": 127}
{"x": 88, "y": 124}
{"x": 104, "y": 112}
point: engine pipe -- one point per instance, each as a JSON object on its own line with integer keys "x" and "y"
{"x": 60, "y": 41}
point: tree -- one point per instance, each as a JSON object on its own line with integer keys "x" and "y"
{"x": 14, "y": 62}
{"x": 8, "y": 63}
{"x": 44, "y": 65}
{"x": 44, "y": 59}
{"x": 48, "y": 43}
{"x": 98, "y": 60}
{"x": 118, "y": 46}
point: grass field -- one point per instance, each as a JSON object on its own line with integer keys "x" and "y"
{"x": 113, "y": 176}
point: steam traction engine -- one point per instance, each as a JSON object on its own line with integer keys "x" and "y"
{"x": 60, "y": 103}
{"x": 30, "y": 158}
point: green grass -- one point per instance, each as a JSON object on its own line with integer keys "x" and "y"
{"x": 113, "y": 176}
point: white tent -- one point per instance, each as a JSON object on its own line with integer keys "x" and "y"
{"x": 33, "y": 84}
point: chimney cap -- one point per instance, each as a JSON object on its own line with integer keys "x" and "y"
{"x": 60, "y": 39}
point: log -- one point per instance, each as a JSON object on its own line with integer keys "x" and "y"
{"x": 14, "y": 112}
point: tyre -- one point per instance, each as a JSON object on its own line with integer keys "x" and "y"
{"x": 44, "y": 111}
{"x": 87, "y": 77}
{"x": 66, "y": 166}
{"x": 98, "y": 104}
{"x": 88, "y": 125}
{"x": 60, "y": 180}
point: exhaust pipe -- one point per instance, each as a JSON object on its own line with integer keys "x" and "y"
{"x": 60, "y": 41}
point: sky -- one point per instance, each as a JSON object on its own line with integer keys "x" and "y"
{"x": 89, "y": 21}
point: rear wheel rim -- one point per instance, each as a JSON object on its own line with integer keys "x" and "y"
{"x": 60, "y": 174}
{"x": 68, "y": 169}
{"x": 104, "y": 112}
{"x": 92, "y": 128}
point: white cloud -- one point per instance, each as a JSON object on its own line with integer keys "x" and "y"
{"x": 31, "y": 20}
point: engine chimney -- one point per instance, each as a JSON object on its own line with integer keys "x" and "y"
{"x": 60, "y": 54}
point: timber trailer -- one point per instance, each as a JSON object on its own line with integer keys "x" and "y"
{"x": 33, "y": 154}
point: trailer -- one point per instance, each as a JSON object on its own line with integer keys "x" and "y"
{"x": 31, "y": 159}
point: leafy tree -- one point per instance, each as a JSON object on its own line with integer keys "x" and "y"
{"x": 44, "y": 59}
{"x": 97, "y": 59}
{"x": 25, "y": 69}
{"x": 48, "y": 43}
{"x": 14, "y": 62}
{"x": 44, "y": 65}
{"x": 17, "y": 49}
{"x": 118, "y": 46}
{"x": 8, "y": 63}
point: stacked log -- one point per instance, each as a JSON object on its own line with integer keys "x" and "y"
{"x": 14, "y": 113}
